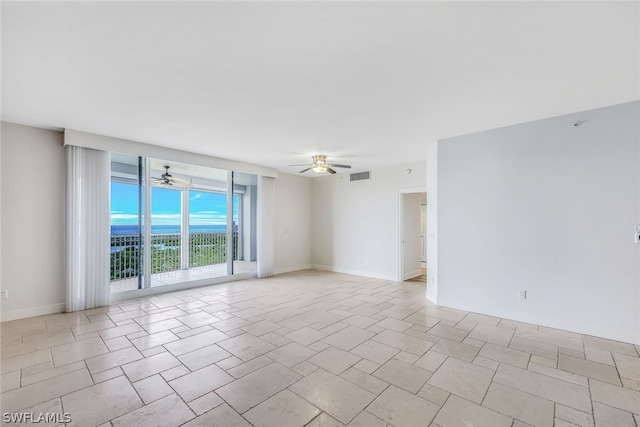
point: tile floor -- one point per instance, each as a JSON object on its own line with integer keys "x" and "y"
{"x": 311, "y": 349}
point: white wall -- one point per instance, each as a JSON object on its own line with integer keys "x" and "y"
{"x": 292, "y": 223}
{"x": 432, "y": 221}
{"x": 550, "y": 208}
{"x": 33, "y": 221}
{"x": 355, "y": 227}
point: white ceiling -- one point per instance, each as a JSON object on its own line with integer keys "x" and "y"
{"x": 271, "y": 83}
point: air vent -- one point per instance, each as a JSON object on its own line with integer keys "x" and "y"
{"x": 360, "y": 176}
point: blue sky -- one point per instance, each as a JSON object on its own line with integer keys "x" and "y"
{"x": 205, "y": 208}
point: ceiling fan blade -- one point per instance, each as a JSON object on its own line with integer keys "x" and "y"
{"x": 304, "y": 170}
{"x": 331, "y": 171}
{"x": 303, "y": 164}
{"x": 180, "y": 182}
{"x": 339, "y": 166}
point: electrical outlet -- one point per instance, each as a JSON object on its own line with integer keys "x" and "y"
{"x": 522, "y": 294}
{"x": 636, "y": 235}
{"x": 4, "y": 294}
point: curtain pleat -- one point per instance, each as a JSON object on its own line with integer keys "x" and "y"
{"x": 88, "y": 231}
{"x": 265, "y": 225}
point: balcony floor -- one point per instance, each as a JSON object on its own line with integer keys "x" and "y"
{"x": 181, "y": 276}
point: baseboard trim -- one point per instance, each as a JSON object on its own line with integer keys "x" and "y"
{"x": 283, "y": 270}
{"x": 33, "y": 312}
{"x": 353, "y": 272}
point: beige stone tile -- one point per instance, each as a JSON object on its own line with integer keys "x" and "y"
{"x": 610, "y": 345}
{"x": 195, "y": 342}
{"x": 359, "y": 321}
{"x": 260, "y": 328}
{"x": 365, "y": 419}
{"x": 254, "y": 388}
{"x": 422, "y": 319}
{"x": 334, "y": 360}
{"x": 486, "y": 363}
{"x": 119, "y": 331}
{"x": 401, "y": 408}
{"x": 153, "y": 340}
{"x": 160, "y": 316}
{"x": 394, "y": 324}
{"x": 150, "y": 366}
{"x": 304, "y": 368}
{"x": 200, "y": 382}
{"x": 116, "y": 397}
{"x": 107, "y": 375}
{"x": 50, "y": 373}
{"x": 606, "y": 416}
{"x": 25, "y": 361}
{"x": 229, "y": 362}
{"x": 403, "y": 342}
{"x": 455, "y": 349}
{"x": 92, "y": 327}
{"x": 197, "y": 319}
{"x": 571, "y": 352}
{"x": 553, "y": 337}
{"x": 543, "y": 386}
{"x": 460, "y": 412}
{"x": 50, "y": 408}
{"x": 348, "y": 338}
{"x": 562, "y": 423}
{"x": 168, "y": 411}
{"x": 375, "y": 351}
{"x": 203, "y": 357}
{"x": 364, "y": 380}
{"x": 50, "y": 340}
{"x": 283, "y": 409}
{"x": 406, "y": 357}
{"x": 117, "y": 343}
{"x": 305, "y": 336}
{"x": 520, "y": 405}
{"x": 561, "y": 375}
{"x": 505, "y": 355}
{"x": 551, "y": 363}
{"x": 614, "y": 396}
{"x": 589, "y": 369}
{"x": 462, "y": 379}
{"x": 448, "y": 332}
{"x": 246, "y": 346}
{"x": 549, "y": 351}
{"x": 629, "y": 367}
{"x": 173, "y": 373}
{"x": 324, "y": 420}
{"x": 574, "y": 416}
{"x": 152, "y": 388}
{"x": 434, "y": 394}
{"x": 483, "y": 318}
{"x": 431, "y": 360}
{"x": 221, "y": 416}
{"x": 74, "y": 352}
{"x": 205, "y": 403}
{"x": 290, "y": 354}
{"x": 9, "y": 381}
{"x": 599, "y": 356}
{"x": 403, "y": 375}
{"x": 112, "y": 359}
{"x": 165, "y": 325}
{"x": 492, "y": 334}
{"x": 632, "y": 384}
{"x": 250, "y": 366}
{"x": 334, "y": 395}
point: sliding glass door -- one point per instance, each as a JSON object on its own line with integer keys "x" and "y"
{"x": 190, "y": 223}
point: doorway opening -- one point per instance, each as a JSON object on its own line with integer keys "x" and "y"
{"x": 412, "y": 265}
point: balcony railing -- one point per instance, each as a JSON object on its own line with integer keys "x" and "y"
{"x": 204, "y": 249}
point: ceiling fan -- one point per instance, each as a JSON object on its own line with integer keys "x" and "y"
{"x": 320, "y": 165}
{"x": 168, "y": 180}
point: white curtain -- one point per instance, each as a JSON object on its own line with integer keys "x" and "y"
{"x": 265, "y": 225}
{"x": 88, "y": 231}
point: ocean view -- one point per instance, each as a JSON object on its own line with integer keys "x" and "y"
{"x": 122, "y": 230}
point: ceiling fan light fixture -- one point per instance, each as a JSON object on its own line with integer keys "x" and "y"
{"x": 320, "y": 168}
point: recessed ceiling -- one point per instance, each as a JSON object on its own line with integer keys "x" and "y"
{"x": 271, "y": 83}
